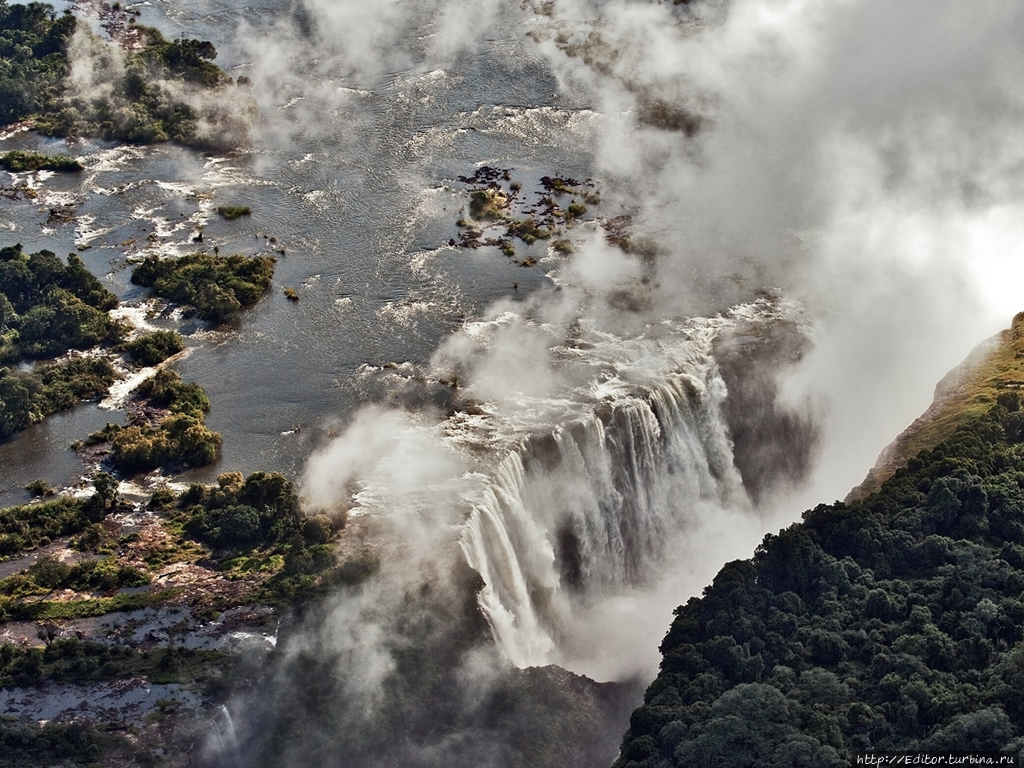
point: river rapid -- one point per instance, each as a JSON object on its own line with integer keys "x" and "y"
{"x": 360, "y": 192}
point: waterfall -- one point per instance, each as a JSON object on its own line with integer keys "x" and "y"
{"x": 222, "y": 739}
{"x": 570, "y": 497}
{"x": 589, "y": 507}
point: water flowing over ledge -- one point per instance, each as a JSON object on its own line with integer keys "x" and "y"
{"x": 577, "y": 514}
{"x": 573, "y": 468}
{"x": 591, "y": 506}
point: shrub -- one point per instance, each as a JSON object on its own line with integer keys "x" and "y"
{"x": 230, "y": 212}
{"x": 19, "y": 161}
{"x": 155, "y": 347}
{"x": 165, "y": 389}
{"x": 40, "y": 488}
{"x": 487, "y": 204}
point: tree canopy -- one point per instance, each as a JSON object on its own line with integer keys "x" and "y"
{"x": 894, "y": 623}
{"x": 155, "y": 92}
{"x": 216, "y": 286}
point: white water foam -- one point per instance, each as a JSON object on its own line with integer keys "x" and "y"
{"x": 568, "y": 503}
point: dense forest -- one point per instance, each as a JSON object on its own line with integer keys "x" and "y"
{"x": 47, "y": 307}
{"x": 895, "y": 622}
{"x": 152, "y": 94}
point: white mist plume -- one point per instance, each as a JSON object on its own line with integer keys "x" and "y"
{"x": 383, "y": 449}
{"x": 318, "y": 61}
{"x": 96, "y": 66}
{"x": 860, "y": 156}
{"x": 96, "y": 90}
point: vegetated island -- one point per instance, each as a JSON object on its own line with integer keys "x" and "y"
{"x": 156, "y": 90}
{"x": 20, "y": 161}
{"x": 48, "y": 307}
{"x": 494, "y": 197}
{"x": 214, "y": 286}
{"x": 893, "y": 622}
{"x": 231, "y": 212}
{"x": 166, "y": 428}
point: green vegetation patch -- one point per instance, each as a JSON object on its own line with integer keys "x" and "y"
{"x": 12, "y": 609}
{"x": 255, "y": 525}
{"x": 48, "y": 306}
{"x": 31, "y": 525}
{"x": 895, "y": 622}
{"x": 64, "y": 744}
{"x": 230, "y": 212}
{"x": 242, "y": 515}
{"x": 154, "y": 348}
{"x": 528, "y": 230}
{"x": 154, "y": 95}
{"x": 165, "y": 389}
{"x": 181, "y": 439}
{"x": 69, "y": 660}
{"x": 217, "y": 286}
{"x": 26, "y": 398}
{"x": 575, "y": 210}
{"x": 20, "y": 161}
{"x": 48, "y": 574}
{"x": 487, "y": 204}
{"x": 33, "y": 59}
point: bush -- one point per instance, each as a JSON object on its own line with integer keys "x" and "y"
{"x": 165, "y": 389}
{"x": 181, "y": 440}
{"x": 317, "y": 529}
{"x": 19, "y": 161}
{"x": 40, "y": 488}
{"x": 155, "y": 347}
{"x": 487, "y": 204}
{"x": 230, "y": 212}
{"x": 239, "y": 526}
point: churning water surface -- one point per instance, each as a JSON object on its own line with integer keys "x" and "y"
{"x": 358, "y": 188}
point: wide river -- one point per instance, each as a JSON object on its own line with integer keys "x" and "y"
{"x": 354, "y": 175}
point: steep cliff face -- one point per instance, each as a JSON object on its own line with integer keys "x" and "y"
{"x": 994, "y": 366}
{"x": 891, "y": 622}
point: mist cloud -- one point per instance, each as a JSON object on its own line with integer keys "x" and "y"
{"x": 861, "y": 157}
